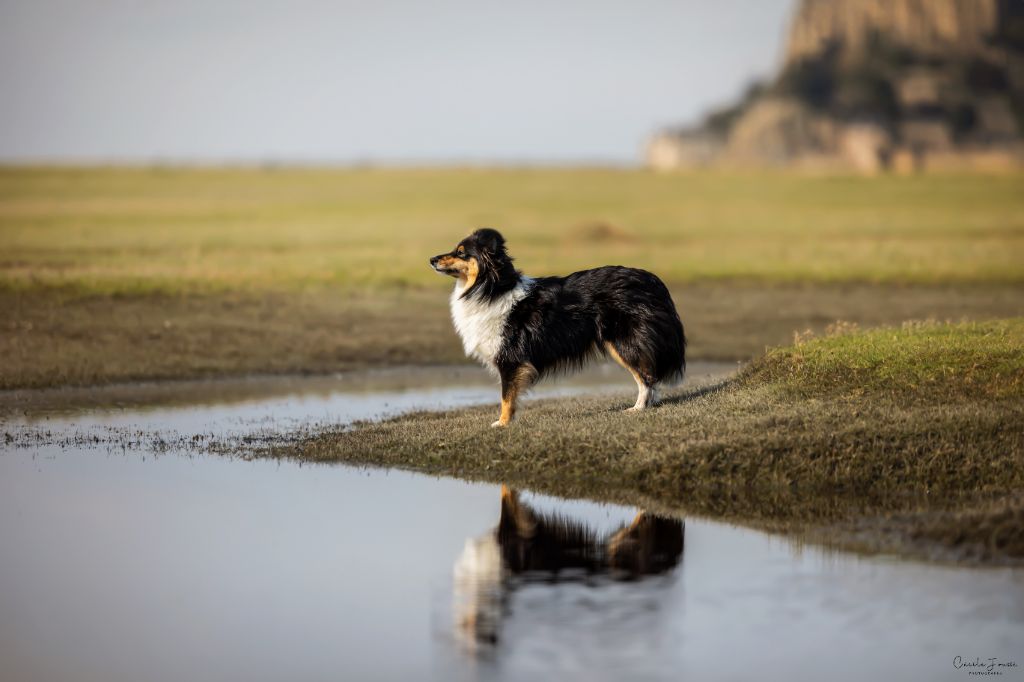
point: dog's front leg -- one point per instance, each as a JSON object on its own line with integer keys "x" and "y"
{"x": 514, "y": 381}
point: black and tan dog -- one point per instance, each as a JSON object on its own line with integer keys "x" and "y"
{"x": 524, "y": 328}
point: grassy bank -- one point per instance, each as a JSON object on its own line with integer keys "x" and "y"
{"x": 909, "y": 438}
{"x": 123, "y": 274}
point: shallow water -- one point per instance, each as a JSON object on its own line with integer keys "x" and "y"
{"x": 235, "y": 408}
{"x": 135, "y": 566}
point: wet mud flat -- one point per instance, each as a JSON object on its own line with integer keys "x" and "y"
{"x": 267, "y": 568}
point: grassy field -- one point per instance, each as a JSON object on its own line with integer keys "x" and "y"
{"x": 128, "y": 230}
{"x": 907, "y": 438}
{"x": 123, "y": 274}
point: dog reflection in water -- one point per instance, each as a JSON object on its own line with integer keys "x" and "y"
{"x": 531, "y": 546}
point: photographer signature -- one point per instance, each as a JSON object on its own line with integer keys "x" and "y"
{"x": 983, "y": 666}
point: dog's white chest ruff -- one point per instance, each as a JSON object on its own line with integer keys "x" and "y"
{"x": 480, "y": 323}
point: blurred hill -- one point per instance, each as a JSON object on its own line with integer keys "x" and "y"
{"x": 874, "y": 85}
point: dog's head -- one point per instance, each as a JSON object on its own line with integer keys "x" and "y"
{"x": 479, "y": 256}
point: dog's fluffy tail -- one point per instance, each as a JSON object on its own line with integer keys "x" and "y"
{"x": 647, "y": 332}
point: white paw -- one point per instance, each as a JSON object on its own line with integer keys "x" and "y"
{"x": 635, "y": 408}
{"x": 498, "y": 424}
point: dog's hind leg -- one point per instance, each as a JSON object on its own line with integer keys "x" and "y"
{"x": 514, "y": 381}
{"x": 647, "y": 396}
{"x": 647, "y": 390}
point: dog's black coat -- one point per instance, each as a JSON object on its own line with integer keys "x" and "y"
{"x": 563, "y": 321}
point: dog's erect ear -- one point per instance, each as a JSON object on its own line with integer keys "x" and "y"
{"x": 489, "y": 240}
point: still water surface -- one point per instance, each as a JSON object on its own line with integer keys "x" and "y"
{"x": 131, "y": 566}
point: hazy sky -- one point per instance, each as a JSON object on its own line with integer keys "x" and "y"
{"x": 416, "y": 80}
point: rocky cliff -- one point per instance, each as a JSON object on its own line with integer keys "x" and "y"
{"x": 876, "y": 84}
{"x": 927, "y": 27}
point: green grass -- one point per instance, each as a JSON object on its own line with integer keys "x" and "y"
{"x": 916, "y": 362}
{"x": 136, "y": 230}
{"x": 922, "y": 424}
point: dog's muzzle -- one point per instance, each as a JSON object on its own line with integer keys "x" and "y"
{"x": 434, "y": 263}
